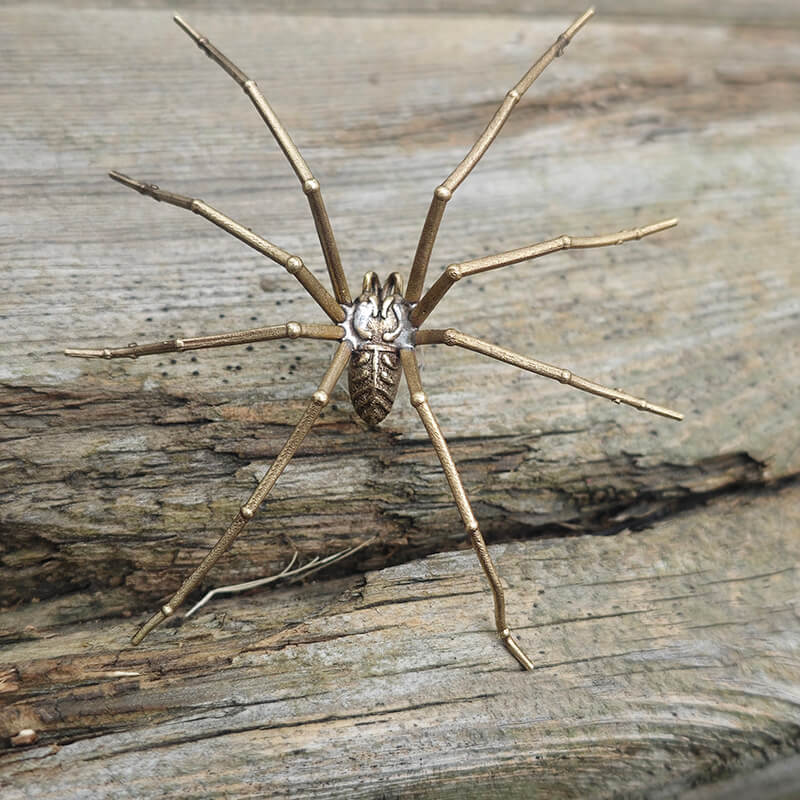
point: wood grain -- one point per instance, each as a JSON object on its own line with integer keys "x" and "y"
{"x": 115, "y": 477}
{"x": 142, "y": 464}
{"x": 664, "y": 660}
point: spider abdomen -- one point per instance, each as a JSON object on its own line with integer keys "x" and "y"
{"x": 373, "y": 377}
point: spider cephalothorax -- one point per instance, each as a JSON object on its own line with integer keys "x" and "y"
{"x": 379, "y": 331}
{"x": 377, "y": 326}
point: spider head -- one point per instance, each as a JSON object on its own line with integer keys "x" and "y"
{"x": 379, "y": 315}
{"x": 376, "y": 300}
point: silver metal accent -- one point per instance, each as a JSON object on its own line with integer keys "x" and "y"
{"x": 358, "y": 313}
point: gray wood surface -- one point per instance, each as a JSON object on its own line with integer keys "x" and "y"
{"x": 750, "y": 12}
{"x": 665, "y": 659}
{"x": 115, "y": 477}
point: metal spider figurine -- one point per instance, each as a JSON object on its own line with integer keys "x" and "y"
{"x": 379, "y": 331}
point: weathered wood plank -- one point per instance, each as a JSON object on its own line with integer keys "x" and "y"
{"x": 128, "y": 471}
{"x": 664, "y": 660}
{"x": 116, "y": 477}
{"x": 752, "y": 12}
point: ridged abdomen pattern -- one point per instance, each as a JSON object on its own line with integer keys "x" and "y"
{"x": 373, "y": 376}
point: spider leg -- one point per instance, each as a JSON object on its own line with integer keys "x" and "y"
{"x": 444, "y": 191}
{"x": 420, "y": 402}
{"x": 453, "y": 337}
{"x": 292, "y": 264}
{"x": 455, "y": 272}
{"x": 310, "y": 184}
{"x": 318, "y": 401}
{"x": 290, "y": 330}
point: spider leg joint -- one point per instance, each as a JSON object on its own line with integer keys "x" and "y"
{"x": 454, "y": 272}
{"x": 443, "y": 193}
{"x": 294, "y": 264}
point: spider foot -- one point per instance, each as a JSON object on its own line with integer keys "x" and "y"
{"x": 513, "y": 647}
{"x": 153, "y": 622}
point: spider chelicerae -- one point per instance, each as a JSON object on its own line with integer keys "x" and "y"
{"x": 379, "y": 331}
